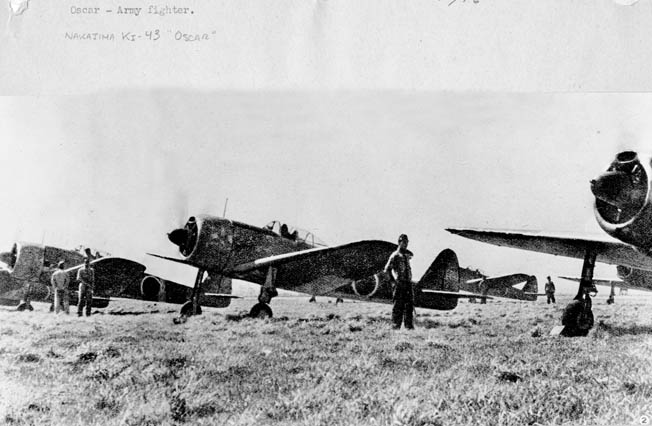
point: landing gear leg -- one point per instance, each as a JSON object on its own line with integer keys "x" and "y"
{"x": 612, "y": 295}
{"x": 267, "y": 293}
{"x": 577, "y": 318}
{"x": 196, "y": 290}
{"x": 191, "y": 307}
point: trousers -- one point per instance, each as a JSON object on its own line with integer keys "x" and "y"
{"x": 61, "y": 298}
{"x": 403, "y": 310}
{"x": 85, "y": 298}
{"x": 550, "y": 297}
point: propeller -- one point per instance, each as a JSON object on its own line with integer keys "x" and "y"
{"x": 180, "y": 208}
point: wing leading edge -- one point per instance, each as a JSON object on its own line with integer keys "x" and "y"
{"x": 611, "y": 252}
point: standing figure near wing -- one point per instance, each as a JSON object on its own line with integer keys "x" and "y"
{"x": 550, "y": 291}
{"x": 60, "y": 282}
{"x": 398, "y": 267}
{"x": 86, "y": 278}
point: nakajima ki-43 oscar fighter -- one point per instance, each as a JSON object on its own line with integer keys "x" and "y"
{"x": 514, "y": 286}
{"x": 623, "y": 209}
{"x": 505, "y": 286}
{"x": 277, "y": 257}
{"x": 29, "y": 266}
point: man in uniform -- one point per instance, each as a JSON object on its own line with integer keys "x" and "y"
{"x": 60, "y": 282}
{"x": 550, "y": 291}
{"x": 86, "y": 278}
{"x": 398, "y": 268}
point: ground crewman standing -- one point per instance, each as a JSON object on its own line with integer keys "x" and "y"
{"x": 550, "y": 291}
{"x": 60, "y": 282}
{"x": 398, "y": 268}
{"x": 86, "y": 278}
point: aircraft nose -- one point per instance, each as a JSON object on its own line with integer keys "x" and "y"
{"x": 178, "y": 237}
{"x": 613, "y": 187}
{"x": 185, "y": 238}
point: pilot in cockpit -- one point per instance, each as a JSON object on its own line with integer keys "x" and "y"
{"x": 285, "y": 233}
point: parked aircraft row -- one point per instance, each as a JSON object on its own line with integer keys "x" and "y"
{"x": 272, "y": 256}
{"x": 276, "y": 257}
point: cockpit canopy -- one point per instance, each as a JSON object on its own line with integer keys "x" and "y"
{"x": 293, "y": 233}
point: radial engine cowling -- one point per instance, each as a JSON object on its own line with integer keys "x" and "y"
{"x": 205, "y": 241}
{"x": 622, "y": 200}
{"x": 152, "y": 288}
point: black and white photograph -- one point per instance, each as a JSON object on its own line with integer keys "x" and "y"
{"x": 326, "y": 213}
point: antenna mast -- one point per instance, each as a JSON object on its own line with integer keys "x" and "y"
{"x": 226, "y": 203}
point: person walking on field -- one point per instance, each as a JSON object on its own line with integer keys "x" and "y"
{"x": 398, "y": 268}
{"x": 86, "y": 278}
{"x": 60, "y": 282}
{"x": 550, "y": 291}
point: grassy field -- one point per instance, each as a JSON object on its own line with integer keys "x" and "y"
{"x": 312, "y": 364}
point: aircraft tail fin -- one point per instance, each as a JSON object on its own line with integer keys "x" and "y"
{"x": 531, "y": 288}
{"x": 441, "y": 277}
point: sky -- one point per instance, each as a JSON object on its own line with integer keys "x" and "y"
{"x": 118, "y": 170}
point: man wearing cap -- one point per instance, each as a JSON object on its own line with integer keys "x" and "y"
{"x": 550, "y": 291}
{"x": 86, "y": 278}
{"x": 60, "y": 282}
{"x": 398, "y": 268}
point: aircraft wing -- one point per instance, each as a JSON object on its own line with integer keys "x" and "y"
{"x": 321, "y": 270}
{"x": 608, "y": 251}
{"x": 120, "y": 277}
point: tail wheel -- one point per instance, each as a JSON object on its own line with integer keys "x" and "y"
{"x": 261, "y": 310}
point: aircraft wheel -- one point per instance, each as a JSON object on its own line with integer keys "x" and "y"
{"x": 610, "y": 301}
{"x": 576, "y": 320}
{"x": 261, "y": 310}
{"x": 186, "y": 309}
{"x": 24, "y": 306}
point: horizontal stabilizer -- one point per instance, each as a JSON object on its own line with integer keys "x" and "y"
{"x": 457, "y": 295}
{"x": 596, "y": 281}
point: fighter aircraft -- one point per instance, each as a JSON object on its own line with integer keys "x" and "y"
{"x": 29, "y": 263}
{"x": 278, "y": 257}
{"x": 506, "y": 286}
{"x": 623, "y": 209}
